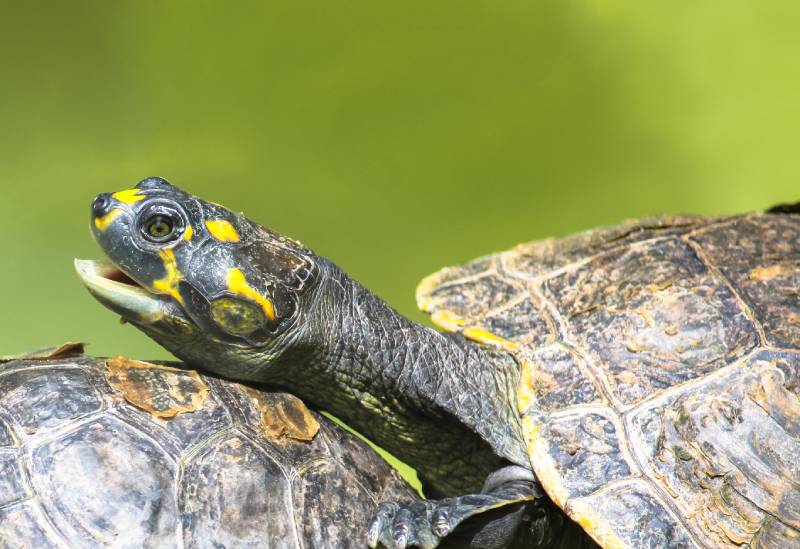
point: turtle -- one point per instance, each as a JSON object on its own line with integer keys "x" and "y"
{"x": 636, "y": 385}
{"x": 124, "y": 453}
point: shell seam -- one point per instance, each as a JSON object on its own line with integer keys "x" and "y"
{"x": 743, "y": 304}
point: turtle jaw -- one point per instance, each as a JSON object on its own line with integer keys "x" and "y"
{"x": 114, "y": 289}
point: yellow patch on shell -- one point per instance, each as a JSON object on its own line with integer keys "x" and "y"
{"x": 595, "y": 525}
{"x": 764, "y": 274}
{"x": 447, "y": 320}
{"x": 128, "y": 196}
{"x": 545, "y": 467}
{"x": 162, "y": 391}
{"x": 237, "y": 283}
{"x": 479, "y": 335}
{"x": 284, "y": 416}
{"x": 102, "y": 223}
{"x": 169, "y": 284}
{"x": 188, "y": 233}
{"x": 526, "y": 393}
{"x": 223, "y": 230}
{"x": 425, "y": 287}
{"x": 424, "y": 303}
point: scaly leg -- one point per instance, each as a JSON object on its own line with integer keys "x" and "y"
{"x": 426, "y": 523}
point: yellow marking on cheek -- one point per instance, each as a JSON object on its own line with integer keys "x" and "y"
{"x": 237, "y": 284}
{"x": 222, "y": 230}
{"x": 236, "y": 316}
{"x": 169, "y": 284}
{"x": 187, "y": 235}
{"x": 128, "y": 196}
{"x": 102, "y": 223}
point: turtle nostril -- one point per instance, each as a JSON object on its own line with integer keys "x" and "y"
{"x": 101, "y": 204}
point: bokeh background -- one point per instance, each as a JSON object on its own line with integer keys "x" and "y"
{"x": 394, "y": 138}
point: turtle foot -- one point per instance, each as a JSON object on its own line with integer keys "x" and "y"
{"x": 425, "y": 523}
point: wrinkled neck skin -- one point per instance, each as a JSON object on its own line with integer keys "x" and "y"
{"x": 440, "y": 403}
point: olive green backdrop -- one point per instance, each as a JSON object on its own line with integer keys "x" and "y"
{"x": 394, "y": 138}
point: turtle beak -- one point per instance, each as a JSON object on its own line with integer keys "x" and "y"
{"x": 111, "y": 287}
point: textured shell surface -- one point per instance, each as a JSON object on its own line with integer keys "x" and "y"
{"x": 659, "y": 362}
{"x": 97, "y": 453}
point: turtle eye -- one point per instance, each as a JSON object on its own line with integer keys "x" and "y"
{"x": 161, "y": 223}
{"x": 159, "y": 228}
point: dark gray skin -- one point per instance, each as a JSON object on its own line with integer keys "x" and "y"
{"x": 441, "y": 403}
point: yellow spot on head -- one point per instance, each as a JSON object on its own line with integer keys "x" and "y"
{"x": 187, "y": 235}
{"x": 128, "y": 196}
{"x": 222, "y": 230}
{"x": 169, "y": 284}
{"x": 237, "y": 284}
{"x": 102, "y": 223}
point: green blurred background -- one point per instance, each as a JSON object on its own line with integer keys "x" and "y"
{"x": 393, "y": 138}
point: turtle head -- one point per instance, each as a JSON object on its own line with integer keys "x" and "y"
{"x": 192, "y": 274}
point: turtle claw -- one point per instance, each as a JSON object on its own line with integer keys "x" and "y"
{"x": 403, "y": 525}
{"x": 423, "y": 524}
{"x": 441, "y": 523}
{"x": 377, "y": 526}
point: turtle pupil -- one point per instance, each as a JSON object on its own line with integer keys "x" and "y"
{"x": 159, "y": 227}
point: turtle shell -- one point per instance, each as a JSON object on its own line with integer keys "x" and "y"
{"x": 97, "y": 453}
{"x": 659, "y": 390}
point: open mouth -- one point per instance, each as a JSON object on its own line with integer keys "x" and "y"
{"x": 116, "y": 275}
{"x": 120, "y": 293}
